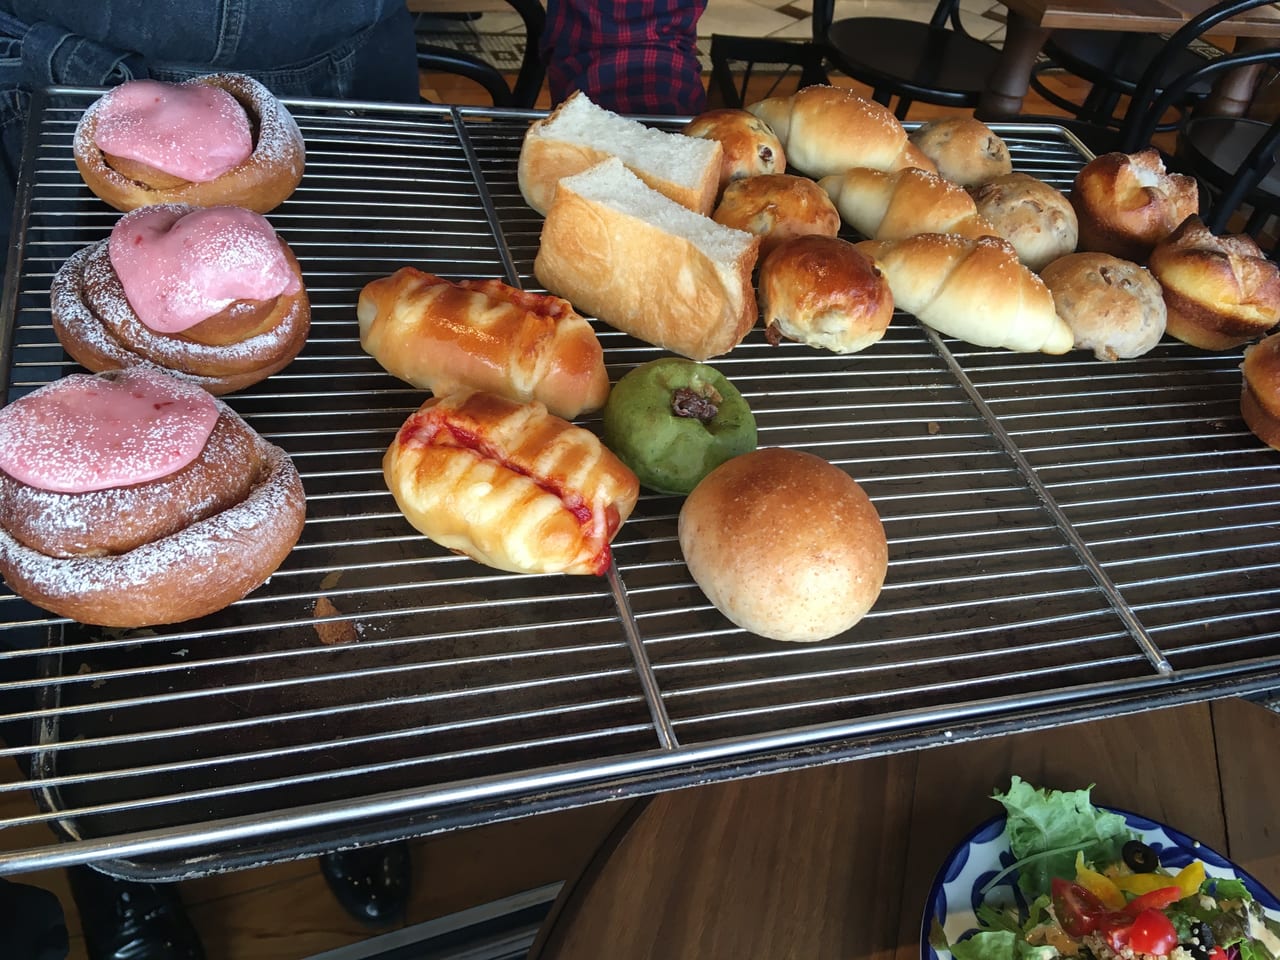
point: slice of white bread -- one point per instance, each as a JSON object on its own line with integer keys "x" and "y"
{"x": 642, "y": 263}
{"x": 578, "y": 134}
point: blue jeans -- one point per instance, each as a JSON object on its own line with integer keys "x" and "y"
{"x": 352, "y": 49}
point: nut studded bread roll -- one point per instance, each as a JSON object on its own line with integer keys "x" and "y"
{"x": 1220, "y": 291}
{"x": 509, "y": 484}
{"x": 889, "y": 206}
{"x": 965, "y": 150}
{"x": 1260, "y": 400}
{"x": 1126, "y": 203}
{"x": 644, "y": 264}
{"x": 1032, "y": 215}
{"x": 578, "y": 135}
{"x": 827, "y": 130}
{"x": 825, "y": 292}
{"x": 483, "y": 335}
{"x": 776, "y": 207}
{"x": 1114, "y": 307}
{"x": 975, "y": 290}
{"x": 784, "y": 544}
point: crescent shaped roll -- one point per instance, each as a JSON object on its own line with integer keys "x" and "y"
{"x": 509, "y": 484}
{"x": 483, "y": 335}
{"x": 890, "y": 206}
{"x": 975, "y": 290}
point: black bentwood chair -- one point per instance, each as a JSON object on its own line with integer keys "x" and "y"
{"x": 528, "y": 82}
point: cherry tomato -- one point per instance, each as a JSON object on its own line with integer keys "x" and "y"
{"x": 1152, "y": 932}
{"x": 1078, "y": 910}
{"x": 1115, "y": 928}
{"x": 1155, "y": 900}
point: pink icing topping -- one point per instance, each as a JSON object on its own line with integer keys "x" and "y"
{"x": 84, "y": 433}
{"x": 180, "y": 265}
{"x": 192, "y": 130}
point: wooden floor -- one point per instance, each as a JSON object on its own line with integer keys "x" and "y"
{"x": 285, "y": 911}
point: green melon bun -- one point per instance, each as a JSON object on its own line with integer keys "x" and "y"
{"x": 673, "y": 421}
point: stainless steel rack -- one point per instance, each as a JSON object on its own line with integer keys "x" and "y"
{"x": 1068, "y": 539}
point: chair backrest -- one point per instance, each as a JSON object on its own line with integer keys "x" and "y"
{"x": 947, "y": 11}
{"x": 528, "y": 82}
{"x": 1147, "y": 107}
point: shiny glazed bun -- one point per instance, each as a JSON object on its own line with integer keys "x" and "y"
{"x": 825, "y": 292}
{"x": 776, "y": 207}
{"x": 1126, "y": 203}
{"x": 131, "y": 498}
{"x": 750, "y": 148}
{"x": 784, "y": 544}
{"x": 218, "y": 139}
{"x": 1220, "y": 291}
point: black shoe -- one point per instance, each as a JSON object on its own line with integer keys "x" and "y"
{"x": 124, "y": 920}
{"x": 371, "y": 883}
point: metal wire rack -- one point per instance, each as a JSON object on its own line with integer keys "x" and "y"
{"x": 1068, "y": 539}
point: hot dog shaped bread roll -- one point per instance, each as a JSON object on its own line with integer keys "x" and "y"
{"x": 509, "y": 484}
{"x": 975, "y": 290}
{"x": 827, "y": 130}
{"x": 483, "y": 335}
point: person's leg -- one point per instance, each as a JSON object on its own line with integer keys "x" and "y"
{"x": 631, "y": 57}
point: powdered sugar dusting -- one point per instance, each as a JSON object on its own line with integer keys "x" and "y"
{"x": 180, "y": 265}
{"x": 195, "y": 131}
{"x": 92, "y": 432}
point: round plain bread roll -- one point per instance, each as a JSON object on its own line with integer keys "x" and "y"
{"x": 1032, "y": 215}
{"x": 784, "y": 544}
{"x": 825, "y": 292}
{"x": 776, "y": 207}
{"x": 1114, "y": 307}
{"x": 965, "y": 150}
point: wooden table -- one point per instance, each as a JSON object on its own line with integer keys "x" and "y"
{"x": 1031, "y": 21}
{"x": 837, "y": 861}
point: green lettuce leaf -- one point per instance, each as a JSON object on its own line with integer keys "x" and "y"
{"x": 1045, "y": 828}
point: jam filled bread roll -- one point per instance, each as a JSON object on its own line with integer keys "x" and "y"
{"x": 827, "y": 130}
{"x": 483, "y": 335}
{"x": 211, "y": 294}
{"x": 131, "y": 498}
{"x": 218, "y": 139}
{"x": 509, "y": 484}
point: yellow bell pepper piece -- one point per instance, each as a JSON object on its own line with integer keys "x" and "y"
{"x": 1189, "y": 878}
{"x": 1102, "y": 887}
{"x": 1140, "y": 883}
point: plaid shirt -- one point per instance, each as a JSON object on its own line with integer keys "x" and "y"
{"x": 631, "y": 57}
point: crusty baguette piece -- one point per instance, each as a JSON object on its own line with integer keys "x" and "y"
{"x": 483, "y": 335}
{"x": 827, "y": 130}
{"x": 975, "y": 290}
{"x": 578, "y": 134}
{"x": 644, "y": 264}
{"x": 509, "y": 484}
{"x": 889, "y": 206}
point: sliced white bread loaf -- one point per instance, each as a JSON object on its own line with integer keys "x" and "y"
{"x": 623, "y": 252}
{"x": 578, "y": 134}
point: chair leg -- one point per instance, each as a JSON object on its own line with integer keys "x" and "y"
{"x": 904, "y": 104}
{"x": 881, "y": 96}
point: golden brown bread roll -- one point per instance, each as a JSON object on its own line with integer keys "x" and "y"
{"x": 749, "y": 148}
{"x": 827, "y": 130}
{"x": 975, "y": 290}
{"x": 890, "y": 206}
{"x": 578, "y": 134}
{"x": 964, "y": 149}
{"x": 1114, "y": 307}
{"x": 1126, "y": 203}
{"x": 131, "y": 499}
{"x": 1032, "y": 215}
{"x": 784, "y": 544}
{"x": 1260, "y": 399}
{"x": 260, "y": 182}
{"x": 644, "y": 264}
{"x": 509, "y": 484}
{"x": 776, "y": 207}
{"x": 825, "y": 292}
{"x": 1220, "y": 291}
{"x": 483, "y": 335}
